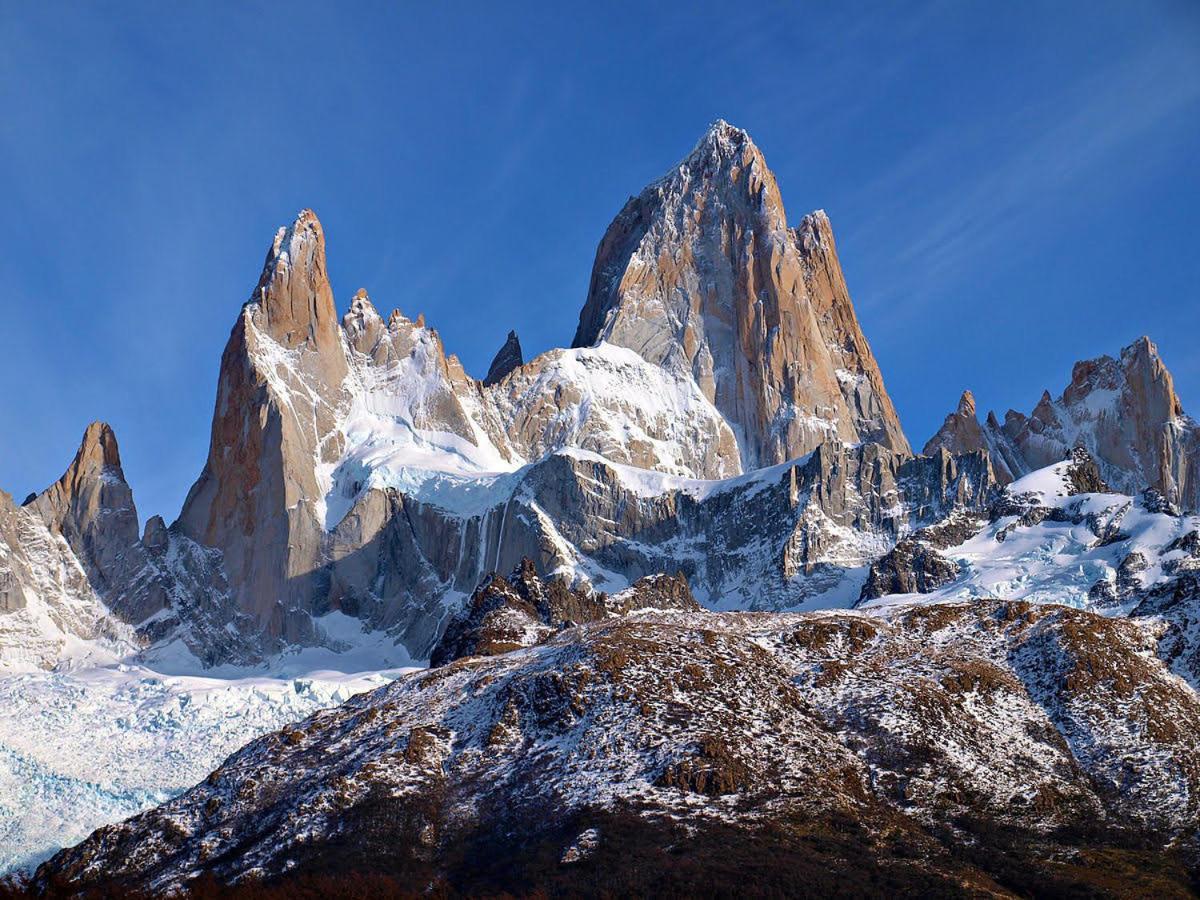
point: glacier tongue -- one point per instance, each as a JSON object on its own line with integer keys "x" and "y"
{"x": 81, "y": 749}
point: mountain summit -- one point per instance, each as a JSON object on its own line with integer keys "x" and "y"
{"x": 720, "y": 415}
{"x": 701, "y": 274}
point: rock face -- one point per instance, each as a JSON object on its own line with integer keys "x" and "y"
{"x": 47, "y": 600}
{"x": 940, "y": 750}
{"x": 92, "y": 507}
{"x": 355, "y": 466}
{"x": 507, "y": 358}
{"x": 962, "y": 433}
{"x": 1123, "y": 411}
{"x": 258, "y": 499}
{"x": 77, "y": 583}
{"x": 701, "y": 274}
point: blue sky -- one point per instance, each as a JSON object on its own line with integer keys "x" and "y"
{"x": 1012, "y": 186}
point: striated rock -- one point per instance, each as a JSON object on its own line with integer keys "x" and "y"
{"x": 1124, "y": 412}
{"x": 769, "y": 540}
{"x": 701, "y": 274}
{"x": 507, "y": 358}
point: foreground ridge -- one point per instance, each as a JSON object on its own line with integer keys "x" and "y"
{"x": 990, "y": 740}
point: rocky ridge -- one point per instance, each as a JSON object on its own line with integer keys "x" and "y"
{"x": 78, "y": 583}
{"x": 1123, "y": 411}
{"x": 993, "y": 747}
{"x": 356, "y": 468}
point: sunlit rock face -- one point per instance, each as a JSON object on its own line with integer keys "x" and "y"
{"x": 701, "y": 274}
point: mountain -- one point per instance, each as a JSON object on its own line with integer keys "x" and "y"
{"x": 279, "y": 389}
{"x": 356, "y": 467}
{"x": 987, "y": 747}
{"x": 720, "y": 414}
{"x": 1124, "y": 411}
{"x": 507, "y": 358}
{"x": 701, "y": 274}
{"x": 747, "y": 633}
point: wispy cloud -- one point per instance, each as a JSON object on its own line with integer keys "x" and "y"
{"x": 1019, "y": 167}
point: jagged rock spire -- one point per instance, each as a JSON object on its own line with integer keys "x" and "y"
{"x": 960, "y": 433}
{"x": 1124, "y": 412}
{"x": 259, "y": 499}
{"x": 507, "y": 358}
{"x": 700, "y": 273}
{"x": 92, "y": 507}
{"x": 293, "y": 293}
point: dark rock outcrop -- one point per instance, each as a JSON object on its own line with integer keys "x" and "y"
{"x": 911, "y": 567}
{"x": 507, "y": 358}
{"x": 524, "y": 610}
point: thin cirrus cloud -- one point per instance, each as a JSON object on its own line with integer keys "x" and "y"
{"x": 1132, "y": 109}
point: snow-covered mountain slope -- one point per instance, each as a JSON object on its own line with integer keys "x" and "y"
{"x": 1049, "y": 542}
{"x": 798, "y": 534}
{"x": 1059, "y": 535}
{"x": 1002, "y": 747}
{"x": 1124, "y": 411}
{"x": 49, "y": 611}
{"x": 80, "y": 749}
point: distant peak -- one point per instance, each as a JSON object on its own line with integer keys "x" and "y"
{"x": 98, "y": 460}
{"x": 966, "y": 404}
{"x": 507, "y": 359}
{"x": 361, "y": 303}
